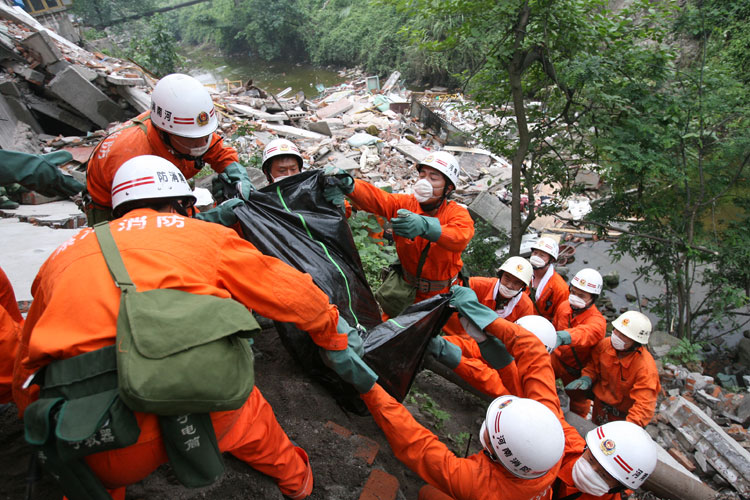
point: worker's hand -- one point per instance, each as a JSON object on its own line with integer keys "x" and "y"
{"x": 410, "y": 225}
{"x": 39, "y": 173}
{"x": 579, "y": 384}
{"x": 355, "y": 340}
{"x": 465, "y": 300}
{"x": 563, "y": 338}
{"x": 495, "y": 353}
{"x": 350, "y": 368}
{"x": 222, "y": 214}
{"x": 236, "y": 173}
{"x": 338, "y": 183}
{"x": 446, "y": 352}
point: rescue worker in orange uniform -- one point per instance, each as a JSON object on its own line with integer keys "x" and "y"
{"x": 522, "y": 437}
{"x": 180, "y": 127}
{"x": 11, "y": 322}
{"x": 622, "y": 373}
{"x": 503, "y": 294}
{"x": 580, "y": 326}
{"x": 425, "y": 217}
{"x": 613, "y": 457}
{"x": 548, "y": 289}
{"x": 162, "y": 248}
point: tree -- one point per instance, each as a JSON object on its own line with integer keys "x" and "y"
{"x": 527, "y": 83}
{"x": 672, "y": 134}
{"x": 103, "y": 12}
{"x": 156, "y": 48}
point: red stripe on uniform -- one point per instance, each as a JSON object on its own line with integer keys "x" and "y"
{"x": 623, "y": 464}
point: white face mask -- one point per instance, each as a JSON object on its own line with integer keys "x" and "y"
{"x": 588, "y": 480}
{"x": 506, "y": 292}
{"x": 537, "y": 262}
{"x": 617, "y": 342}
{"x": 423, "y": 190}
{"x": 576, "y": 302}
{"x": 190, "y": 151}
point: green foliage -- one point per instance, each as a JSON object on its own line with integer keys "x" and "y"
{"x": 685, "y": 352}
{"x": 428, "y": 406}
{"x": 460, "y": 441}
{"x": 372, "y": 252}
{"x": 103, "y": 12}
{"x": 479, "y": 257}
{"x": 156, "y": 48}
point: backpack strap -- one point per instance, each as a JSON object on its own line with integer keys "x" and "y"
{"x": 112, "y": 256}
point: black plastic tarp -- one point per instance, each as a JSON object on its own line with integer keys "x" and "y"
{"x": 290, "y": 220}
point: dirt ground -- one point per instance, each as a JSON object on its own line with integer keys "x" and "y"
{"x": 304, "y": 409}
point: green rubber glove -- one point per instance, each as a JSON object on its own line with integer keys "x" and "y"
{"x": 38, "y": 172}
{"x": 410, "y": 225}
{"x": 236, "y": 173}
{"x": 465, "y": 300}
{"x": 355, "y": 340}
{"x": 563, "y": 338}
{"x": 495, "y": 353}
{"x": 446, "y": 352}
{"x": 339, "y": 183}
{"x": 222, "y": 214}
{"x": 350, "y": 368}
{"x": 579, "y": 384}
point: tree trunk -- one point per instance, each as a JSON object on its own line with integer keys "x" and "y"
{"x": 515, "y": 74}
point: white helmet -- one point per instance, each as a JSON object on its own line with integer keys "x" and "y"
{"x": 182, "y": 106}
{"x": 625, "y": 450}
{"x": 279, "y": 147}
{"x": 542, "y": 328}
{"x": 589, "y": 280}
{"x": 147, "y": 177}
{"x": 547, "y": 245}
{"x": 523, "y": 435}
{"x": 634, "y": 325}
{"x": 518, "y": 267}
{"x": 443, "y": 162}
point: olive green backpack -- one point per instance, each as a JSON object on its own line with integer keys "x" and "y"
{"x": 178, "y": 352}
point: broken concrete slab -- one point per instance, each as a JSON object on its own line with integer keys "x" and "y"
{"x": 24, "y": 71}
{"x": 73, "y": 88}
{"x": 255, "y": 113}
{"x": 334, "y": 109}
{"x": 137, "y": 98}
{"x": 22, "y": 113}
{"x": 724, "y": 454}
{"x": 412, "y": 151}
{"x": 41, "y": 43}
{"x": 52, "y": 110}
{"x": 320, "y": 127}
{"x": 660, "y": 343}
{"x": 295, "y": 132}
{"x": 488, "y": 207}
{"x": 8, "y": 123}
{"x": 124, "y": 80}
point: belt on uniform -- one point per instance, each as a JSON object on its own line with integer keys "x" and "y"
{"x": 613, "y": 411}
{"x": 426, "y": 286}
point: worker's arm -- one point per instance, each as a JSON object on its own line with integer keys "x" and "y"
{"x": 456, "y": 227}
{"x": 590, "y": 331}
{"x": 220, "y": 156}
{"x": 278, "y": 291}
{"x": 376, "y": 201}
{"x": 419, "y": 449}
{"x": 644, "y": 393}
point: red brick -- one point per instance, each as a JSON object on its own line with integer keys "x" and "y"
{"x": 338, "y": 429}
{"x": 717, "y": 390}
{"x": 380, "y": 486}
{"x": 737, "y": 432}
{"x": 367, "y": 449}
{"x": 682, "y": 459}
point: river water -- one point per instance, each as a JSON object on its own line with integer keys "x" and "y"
{"x": 209, "y": 66}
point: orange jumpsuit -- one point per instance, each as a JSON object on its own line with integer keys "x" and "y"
{"x": 444, "y": 258}
{"x": 162, "y": 250}
{"x": 554, "y": 293}
{"x": 130, "y": 141}
{"x": 586, "y": 329}
{"x": 476, "y": 477}
{"x": 629, "y": 384}
{"x": 11, "y": 323}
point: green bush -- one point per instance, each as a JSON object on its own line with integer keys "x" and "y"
{"x": 374, "y": 256}
{"x": 479, "y": 257}
{"x": 685, "y": 352}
